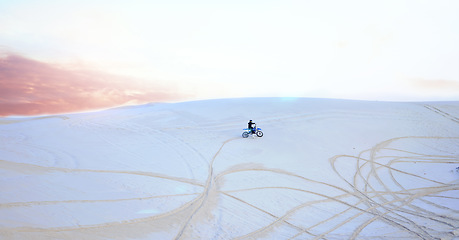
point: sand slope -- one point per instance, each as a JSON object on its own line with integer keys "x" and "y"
{"x": 332, "y": 169}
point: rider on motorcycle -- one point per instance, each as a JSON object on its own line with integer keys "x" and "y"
{"x": 252, "y": 126}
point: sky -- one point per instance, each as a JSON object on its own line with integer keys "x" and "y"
{"x": 66, "y": 56}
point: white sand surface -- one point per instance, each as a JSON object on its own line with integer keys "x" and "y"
{"x": 324, "y": 169}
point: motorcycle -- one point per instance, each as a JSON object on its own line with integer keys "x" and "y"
{"x": 256, "y": 131}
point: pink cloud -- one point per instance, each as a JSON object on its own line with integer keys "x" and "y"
{"x": 29, "y": 87}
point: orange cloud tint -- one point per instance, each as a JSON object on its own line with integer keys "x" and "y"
{"x": 439, "y": 84}
{"x": 29, "y": 87}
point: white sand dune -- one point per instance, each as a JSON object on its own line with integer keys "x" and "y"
{"x": 324, "y": 169}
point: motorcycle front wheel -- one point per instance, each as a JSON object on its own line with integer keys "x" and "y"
{"x": 260, "y": 134}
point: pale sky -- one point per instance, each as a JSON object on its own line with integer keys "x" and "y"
{"x": 396, "y": 50}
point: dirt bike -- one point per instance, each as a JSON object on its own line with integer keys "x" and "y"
{"x": 256, "y": 131}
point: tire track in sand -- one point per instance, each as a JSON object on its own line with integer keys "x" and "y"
{"x": 442, "y": 113}
{"x": 201, "y": 199}
{"x": 398, "y": 215}
{"x": 27, "y": 167}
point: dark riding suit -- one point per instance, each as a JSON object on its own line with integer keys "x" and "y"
{"x": 252, "y": 126}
